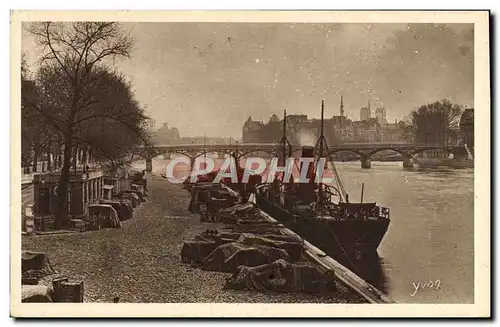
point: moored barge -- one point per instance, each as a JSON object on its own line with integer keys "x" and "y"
{"x": 347, "y": 231}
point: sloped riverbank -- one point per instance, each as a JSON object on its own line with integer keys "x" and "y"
{"x": 141, "y": 261}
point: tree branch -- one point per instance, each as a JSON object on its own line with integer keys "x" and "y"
{"x": 49, "y": 43}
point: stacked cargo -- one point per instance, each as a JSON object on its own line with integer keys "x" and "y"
{"x": 41, "y": 283}
{"x": 256, "y": 253}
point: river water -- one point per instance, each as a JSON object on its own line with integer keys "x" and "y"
{"x": 431, "y": 235}
{"x": 430, "y": 239}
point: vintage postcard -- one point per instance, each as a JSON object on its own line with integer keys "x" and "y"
{"x": 250, "y": 164}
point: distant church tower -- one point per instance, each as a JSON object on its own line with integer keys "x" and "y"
{"x": 365, "y": 113}
{"x": 341, "y": 110}
{"x": 341, "y": 105}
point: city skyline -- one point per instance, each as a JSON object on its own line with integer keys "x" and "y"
{"x": 250, "y": 158}
{"x": 209, "y": 77}
{"x": 366, "y": 112}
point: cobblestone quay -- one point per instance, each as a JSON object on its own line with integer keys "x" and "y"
{"x": 141, "y": 261}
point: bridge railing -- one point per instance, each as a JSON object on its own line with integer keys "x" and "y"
{"x": 394, "y": 145}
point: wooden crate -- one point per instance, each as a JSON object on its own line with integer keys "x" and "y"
{"x": 66, "y": 291}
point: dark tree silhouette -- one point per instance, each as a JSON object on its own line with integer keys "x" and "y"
{"x": 75, "y": 88}
{"x": 435, "y": 123}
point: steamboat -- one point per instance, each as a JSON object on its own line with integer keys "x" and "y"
{"x": 322, "y": 213}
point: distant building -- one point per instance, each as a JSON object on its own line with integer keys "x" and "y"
{"x": 365, "y": 131}
{"x": 365, "y": 113}
{"x": 467, "y": 128}
{"x": 392, "y": 132}
{"x": 294, "y": 120}
{"x": 274, "y": 119}
{"x": 381, "y": 115}
{"x": 337, "y": 129}
{"x": 166, "y": 135}
{"x": 151, "y": 126}
{"x": 251, "y": 130}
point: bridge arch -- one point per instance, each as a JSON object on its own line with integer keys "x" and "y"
{"x": 190, "y": 156}
{"x": 358, "y": 152}
{"x": 403, "y": 152}
{"x": 364, "y": 151}
{"x": 240, "y": 155}
{"x": 423, "y": 149}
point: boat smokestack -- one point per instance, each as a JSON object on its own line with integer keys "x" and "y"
{"x": 308, "y": 152}
{"x": 305, "y": 191}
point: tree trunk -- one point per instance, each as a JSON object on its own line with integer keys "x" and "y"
{"x": 62, "y": 205}
{"x": 74, "y": 153}
{"x": 49, "y": 155}
{"x": 35, "y": 161}
{"x": 84, "y": 159}
{"x": 57, "y": 157}
{"x": 49, "y": 161}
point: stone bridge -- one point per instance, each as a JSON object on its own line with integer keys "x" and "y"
{"x": 364, "y": 150}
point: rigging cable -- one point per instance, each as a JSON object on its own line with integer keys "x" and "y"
{"x": 343, "y": 249}
{"x": 337, "y": 178}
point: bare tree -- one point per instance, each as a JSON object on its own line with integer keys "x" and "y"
{"x": 74, "y": 59}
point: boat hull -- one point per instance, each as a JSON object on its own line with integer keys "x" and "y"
{"x": 344, "y": 240}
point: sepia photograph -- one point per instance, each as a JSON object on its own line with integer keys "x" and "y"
{"x": 193, "y": 164}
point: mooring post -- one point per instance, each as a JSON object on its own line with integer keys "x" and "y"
{"x": 362, "y": 191}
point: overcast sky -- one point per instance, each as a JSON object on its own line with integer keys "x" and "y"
{"x": 209, "y": 77}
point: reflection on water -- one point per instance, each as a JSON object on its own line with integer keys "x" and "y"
{"x": 370, "y": 269}
{"x": 431, "y": 235}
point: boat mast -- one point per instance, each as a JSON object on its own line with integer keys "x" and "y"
{"x": 321, "y": 149}
{"x": 284, "y": 143}
{"x": 322, "y": 136}
{"x": 320, "y": 144}
{"x": 205, "y": 147}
